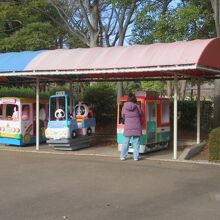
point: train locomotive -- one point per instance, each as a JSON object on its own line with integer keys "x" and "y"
{"x": 70, "y": 126}
{"x": 155, "y": 122}
{"x": 18, "y": 121}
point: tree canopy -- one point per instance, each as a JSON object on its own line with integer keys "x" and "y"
{"x": 168, "y": 21}
{"x": 32, "y": 25}
{"x": 39, "y": 24}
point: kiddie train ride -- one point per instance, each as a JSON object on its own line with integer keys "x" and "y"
{"x": 155, "y": 122}
{"x": 70, "y": 126}
{"x": 18, "y": 121}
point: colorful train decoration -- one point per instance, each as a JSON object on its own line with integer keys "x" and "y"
{"x": 155, "y": 122}
{"x": 18, "y": 121}
{"x": 70, "y": 126}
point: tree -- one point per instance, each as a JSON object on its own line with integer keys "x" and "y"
{"x": 23, "y": 27}
{"x": 32, "y": 25}
{"x": 35, "y": 36}
{"x": 96, "y": 22}
{"x": 163, "y": 21}
{"x": 80, "y": 19}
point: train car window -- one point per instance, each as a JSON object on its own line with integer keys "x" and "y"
{"x": 165, "y": 112}
{"x": 10, "y": 112}
{"x": 25, "y": 114}
{"x": 42, "y": 112}
{"x": 57, "y": 108}
{"x": 52, "y": 109}
{"x": 151, "y": 111}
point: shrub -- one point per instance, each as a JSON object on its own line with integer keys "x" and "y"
{"x": 25, "y": 92}
{"x": 102, "y": 98}
{"x": 187, "y": 114}
{"x": 187, "y": 111}
{"x": 214, "y": 145}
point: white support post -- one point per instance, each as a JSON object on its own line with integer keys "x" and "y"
{"x": 37, "y": 113}
{"x": 71, "y": 97}
{"x": 175, "y": 119}
{"x": 198, "y": 112}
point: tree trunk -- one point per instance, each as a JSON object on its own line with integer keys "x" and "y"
{"x": 94, "y": 31}
{"x": 216, "y": 9}
{"x": 119, "y": 89}
{"x": 183, "y": 84}
{"x": 169, "y": 88}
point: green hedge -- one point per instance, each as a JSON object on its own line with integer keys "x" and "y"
{"x": 102, "y": 98}
{"x": 214, "y": 145}
{"x": 29, "y": 92}
{"x": 187, "y": 114}
{"x": 25, "y": 92}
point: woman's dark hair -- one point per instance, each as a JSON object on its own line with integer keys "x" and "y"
{"x": 131, "y": 98}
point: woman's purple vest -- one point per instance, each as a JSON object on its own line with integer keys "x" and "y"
{"x": 131, "y": 113}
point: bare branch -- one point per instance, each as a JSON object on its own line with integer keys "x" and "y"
{"x": 78, "y": 33}
{"x": 88, "y": 24}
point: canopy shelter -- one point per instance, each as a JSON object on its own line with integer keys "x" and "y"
{"x": 160, "y": 60}
{"x": 178, "y": 60}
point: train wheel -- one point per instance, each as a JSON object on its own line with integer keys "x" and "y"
{"x": 166, "y": 144}
{"x": 89, "y": 131}
{"x": 74, "y": 134}
{"x": 26, "y": 138}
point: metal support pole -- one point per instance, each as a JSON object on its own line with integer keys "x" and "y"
{"x": 198, "y": 112}
{"x": 71, "y": 98}
{"x": 37, "y": 113}
{"x": 175, "y": 119}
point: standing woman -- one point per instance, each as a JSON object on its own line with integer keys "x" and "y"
{"x": 131, "y": 113}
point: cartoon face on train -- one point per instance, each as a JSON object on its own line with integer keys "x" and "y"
{"x": 59, "y": 114}
{"x": 81, "y": 109}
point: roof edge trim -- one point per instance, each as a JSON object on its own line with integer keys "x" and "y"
{"x": 209, "y": 69}
{"x": 100, "y": 71}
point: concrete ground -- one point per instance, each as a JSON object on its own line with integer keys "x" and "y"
{"x": 53, "y": 185}
{"x": 95, "y": 150}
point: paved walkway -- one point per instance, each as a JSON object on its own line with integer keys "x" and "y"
{"x": 64, "y": 186}
{"x": 104, "y": 151}
{"x": 106, "y": 146}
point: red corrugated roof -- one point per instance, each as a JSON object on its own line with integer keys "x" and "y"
{"x": 201, "y": 52}
{"x": 197, "y": 57}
